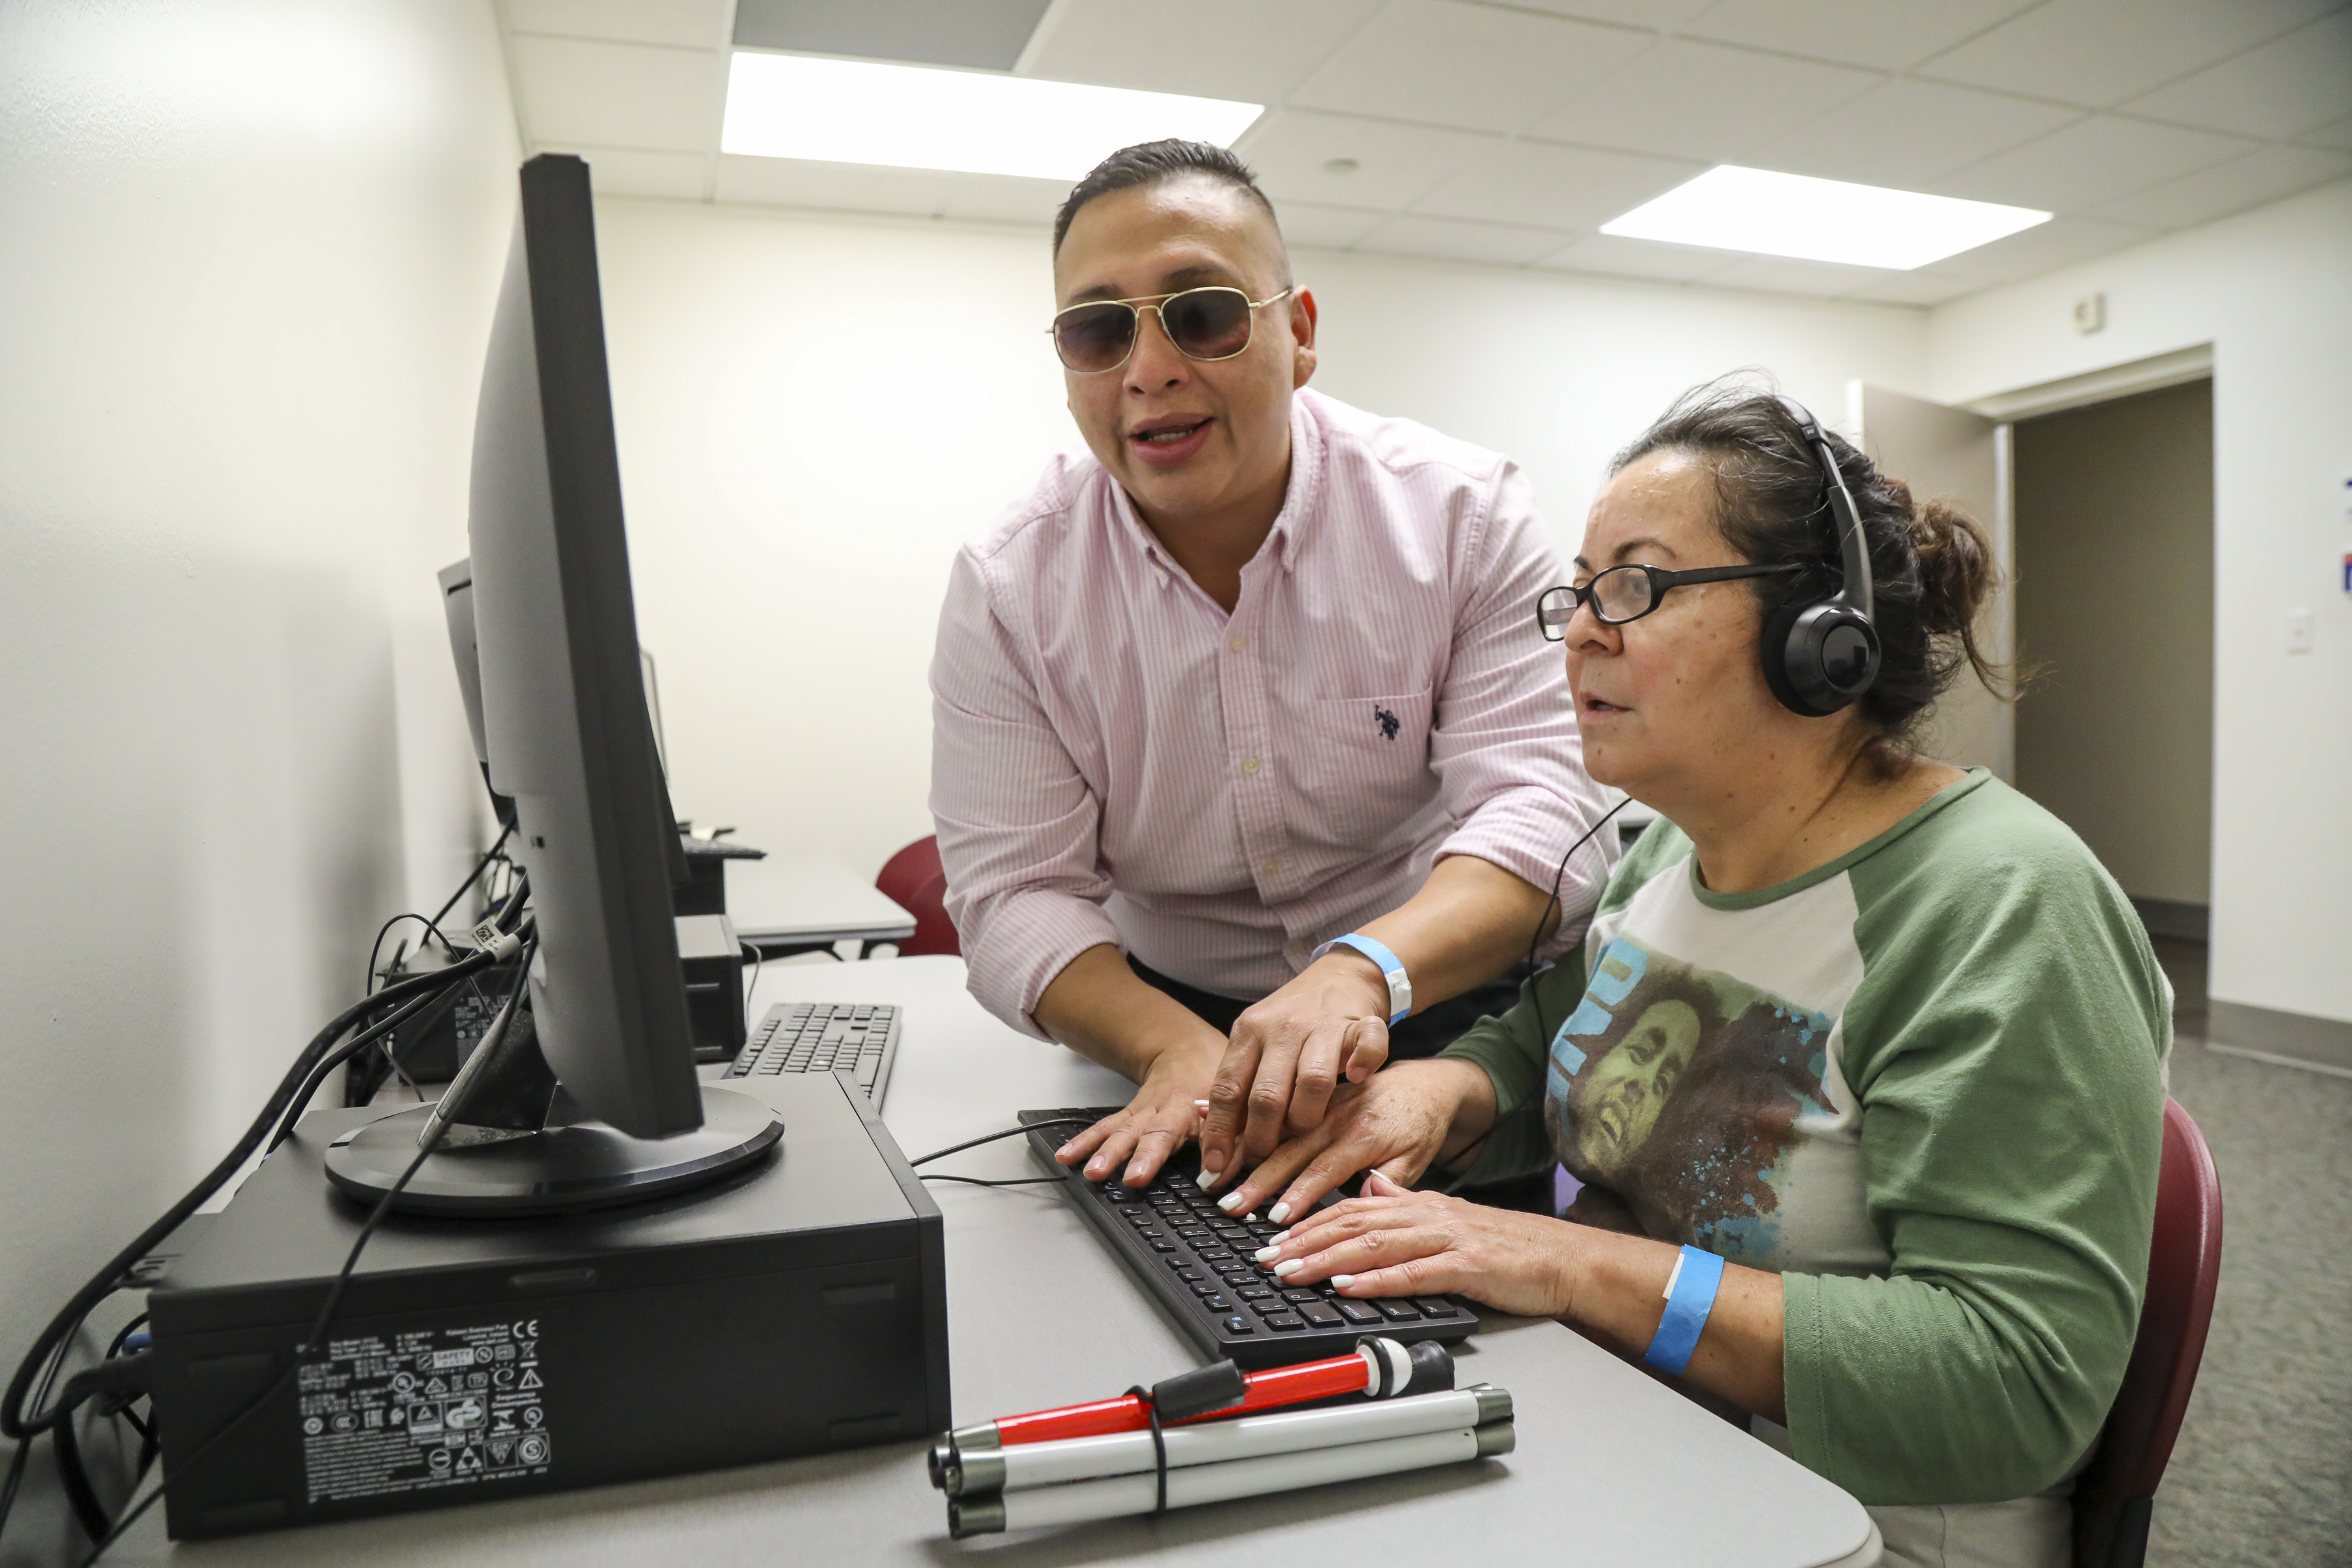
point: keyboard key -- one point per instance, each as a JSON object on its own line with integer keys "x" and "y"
{"x": 1270, "y": 1309}
{"x": 1360, "y": 1313}
{"x": 1321, "y": 1315}
{"x": 1434, "y": 1307}
{"x": 1238, "y": 1325}
{"x": 1260, "y": 1293}
{"x": 1203, "y": 1291}
{"x": 1298, "y": 1296}
{"x": 1399, "y": 1311}
{"x": 1164, "y": 1246}
{"x": 1286, "y": 1324}
{"x": 1181, "y": 1261}
{"x": 1216, "y": 1303}
{"x": 1192, "y": 1277}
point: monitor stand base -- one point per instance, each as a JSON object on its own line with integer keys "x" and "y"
{"x": 563, "y": 1167}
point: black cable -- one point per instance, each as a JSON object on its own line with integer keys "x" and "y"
{"x": 14, "y": 1421}
{"x": 376, "y": 947}
{"x": 1159, "y": 1446}
{"x": 1008, "y": 1132}
{"x": 1535, "y": 940}
{"x": 317, "y": 1333}
{"x": 480, "y": 866}
{"x": 65, "y": 1443}
{"x": 452, "y": 978}
{"x": 25, "y": 1444}
{"x": 976, "y": 1181}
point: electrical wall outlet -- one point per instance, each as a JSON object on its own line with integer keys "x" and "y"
{"x": 2090, "y": 313}
{"x": 2299, "y": 631}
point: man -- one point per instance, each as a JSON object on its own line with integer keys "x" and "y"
{"x": 1260, "y": 673}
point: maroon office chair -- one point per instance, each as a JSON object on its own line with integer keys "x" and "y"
{"x": 912, "y": 877}
{"x": 2115, "y": 1494}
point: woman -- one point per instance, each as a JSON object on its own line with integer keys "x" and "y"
{"x": 1879, "y": 1035}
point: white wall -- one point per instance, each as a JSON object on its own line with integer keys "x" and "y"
{"x": 246, "y": 265}
{"x": 2272, "y": 292}
{"x": 816, "y": 411}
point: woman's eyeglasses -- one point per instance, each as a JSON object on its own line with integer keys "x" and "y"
{"x": 1625, "y": 594}
{"x": 1209, "y": 323}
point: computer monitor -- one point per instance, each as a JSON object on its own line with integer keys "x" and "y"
{"x": 566, "y": 733}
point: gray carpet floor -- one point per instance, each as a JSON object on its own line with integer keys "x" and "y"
{"x": 2263, "y": 1474}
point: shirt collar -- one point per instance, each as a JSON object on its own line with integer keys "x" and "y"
{"x": 1301, "y": 501}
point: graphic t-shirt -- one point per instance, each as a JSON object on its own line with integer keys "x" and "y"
{"x": 1924, "y": 1083}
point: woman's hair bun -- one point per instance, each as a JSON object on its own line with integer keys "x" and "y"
{"x": 1957, "y": 569}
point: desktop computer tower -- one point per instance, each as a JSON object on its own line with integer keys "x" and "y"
{"x": 796, "y": 1308}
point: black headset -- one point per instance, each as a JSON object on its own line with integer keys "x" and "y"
{"x": 1819, "y": 655}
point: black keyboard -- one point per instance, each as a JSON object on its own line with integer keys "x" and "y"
{"x": 861, "y": 1037}
{"x": 1195, "y": 1259}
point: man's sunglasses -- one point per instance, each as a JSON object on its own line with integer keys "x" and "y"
{"x": 1209, "y": 323}
{"x": 1625, "y": 594}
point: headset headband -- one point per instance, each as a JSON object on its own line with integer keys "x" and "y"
{"x": 1853, "y": 556}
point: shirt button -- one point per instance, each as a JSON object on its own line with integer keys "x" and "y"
{"x": 1271, "y": 866}
{"x": 1238, "y": 643}
{"x": 1249, "y": 765}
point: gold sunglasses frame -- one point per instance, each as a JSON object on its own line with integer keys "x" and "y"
{"x": 1153, "y": 302}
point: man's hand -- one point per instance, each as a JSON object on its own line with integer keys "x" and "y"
{"x": 1164, "y": 1112}
{"x": 1288, "y": 1053}
{"x": 1400, "y": 1124}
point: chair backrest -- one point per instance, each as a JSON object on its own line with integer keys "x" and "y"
{"x": 2114, "y": 1495}
{"x": 913, "y": 879}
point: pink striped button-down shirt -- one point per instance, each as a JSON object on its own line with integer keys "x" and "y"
{"x": 1117, "y": 760}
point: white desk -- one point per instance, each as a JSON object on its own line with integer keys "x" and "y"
{"x": 790, "y": 903}
{"x": 1611, "y": 1469}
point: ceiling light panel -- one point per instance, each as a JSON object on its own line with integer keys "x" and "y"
{"x": 1756, "y": 210}
{"x": 909, "y": 117}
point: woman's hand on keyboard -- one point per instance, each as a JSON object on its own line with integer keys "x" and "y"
{"x": 1399, "y": 1122}
{"x": 1391, "y": 1242}
{"x": 1289, "y": 1056}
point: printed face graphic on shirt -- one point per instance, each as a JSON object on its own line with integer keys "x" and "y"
{"x": 1679, "y": 1090}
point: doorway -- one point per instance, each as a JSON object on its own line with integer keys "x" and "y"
{"x": 2112, "y": 518}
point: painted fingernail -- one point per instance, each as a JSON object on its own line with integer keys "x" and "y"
{"x": 1343, "y": 1280}
{"x": 1278, "y": 1212}
{"x": 1266, "y": 1254}
{"x": 1230, "y": 1202}
{"x": 1288, "y": 1266}
{"x": 1205, "y": 1180}
{"x": 1202, "y": 1106}
{"x": 1278, "y": 1237}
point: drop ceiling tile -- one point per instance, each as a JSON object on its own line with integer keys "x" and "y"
{"x": 983, "y": 35}
{"x": 1308, "y": 224}
{"x": 1560, "y": 187}
{"x": 1631, "y": 13}
{"x": 1908, "y": 132}
{"x": 1478, "y": 67}
{"x": 1006, "y": 198}
{"x": 2060, "y": 242}
{"x": 2288, "y": 85}
{"x": 1916, "y": 289}
{"x": 2265, "y": 174}
{"x": 626, "y": 172}
{"x": 619, "y": 95}
{"x": 1396, "y": 164}
{"x": 695, "y": 24}
{"x": 2099, "y": 52}
{"x": 1889, "y": 34}
{"x": 1451, "y": 241}
{"x": 843, "y": 187}
{"x": 1687, "y": 100}
{"x": 2091, "y": 162}
{"x": 1214, "y": 49}
{"x": 1615, "y": 258}
{"x": 2336, "y": 134}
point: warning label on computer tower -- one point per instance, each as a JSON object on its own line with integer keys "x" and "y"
{"x": 411, "y": 1412}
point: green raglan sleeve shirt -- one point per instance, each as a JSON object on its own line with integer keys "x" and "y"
{"x": 1960, "y": 1208}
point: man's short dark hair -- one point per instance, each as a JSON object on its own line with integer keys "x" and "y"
{"x": 1148, "y": 164}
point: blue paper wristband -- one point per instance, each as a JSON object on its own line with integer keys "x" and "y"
{"x": 1391, "y": 969}
{"x": 1690, "y": 1297}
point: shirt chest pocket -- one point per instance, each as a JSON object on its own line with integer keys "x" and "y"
{"x": 1361, "y": 765}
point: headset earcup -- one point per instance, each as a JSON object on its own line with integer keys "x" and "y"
{"x": 1772, "y": 650}
{"x": 1827, "y": 655}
